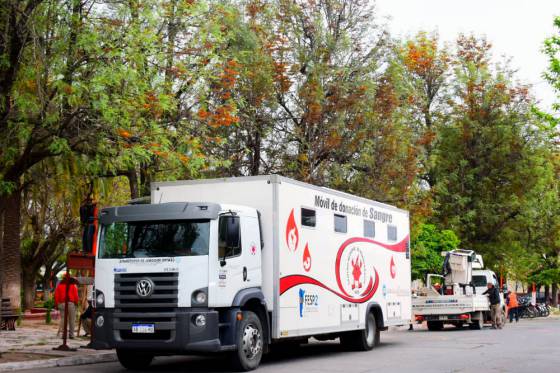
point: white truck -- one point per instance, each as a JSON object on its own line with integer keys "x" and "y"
{"x": 456, "y": 297}
{"x": 238, "y": 264}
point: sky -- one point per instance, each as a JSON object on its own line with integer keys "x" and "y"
{"x": 516, "y": 29}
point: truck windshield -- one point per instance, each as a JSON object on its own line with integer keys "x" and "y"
{"x": 154, "y": 239}
{"x": 479, "y": 281}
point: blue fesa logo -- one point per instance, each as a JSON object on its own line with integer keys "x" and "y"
{"x": 301, "y": 298}
{"x": 307, "y": 302}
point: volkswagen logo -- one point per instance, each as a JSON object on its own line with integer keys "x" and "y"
{"x": 144, "y": 287}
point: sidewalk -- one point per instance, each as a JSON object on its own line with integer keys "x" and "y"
{"x": 30, "y": 346}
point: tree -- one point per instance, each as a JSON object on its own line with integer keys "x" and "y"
{"x": 427, "y": 247}
{"x": 50, "y": 225}
{"x": 73, "y": 83}
{"x": 488, "y": 159}
{"x": 425, "y": 69}
{"x": 552, "y": 75}
{"x": 16, "y": 26}
{"x": 327, "y": 56}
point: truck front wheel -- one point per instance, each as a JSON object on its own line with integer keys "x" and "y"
{"x": 133, "y": 360}
{"x": 362, "y": 340}
{"x": 250, "y": 343}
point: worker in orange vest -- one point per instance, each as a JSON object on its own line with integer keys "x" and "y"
{"x": 513, "y": 306}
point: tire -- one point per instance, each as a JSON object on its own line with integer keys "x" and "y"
{"x": 435, "y": 326}
{"x": 503, "y": 318}
{"x": 133, "y": 360}
{"x": 250, "y": 343}
{"x": 362, "y": 340}
{"x": 532, "y": 313}
{"x": 477, "y": 324}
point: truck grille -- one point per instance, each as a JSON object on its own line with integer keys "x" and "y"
{"x": 159, "y": 308}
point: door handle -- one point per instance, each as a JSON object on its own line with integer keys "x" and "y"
{"x": 244, "y": 273}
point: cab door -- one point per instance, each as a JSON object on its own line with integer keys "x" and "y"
{"x": 239, "y": 255}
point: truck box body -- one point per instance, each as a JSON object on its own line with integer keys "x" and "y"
{"x": 316, "y": 280}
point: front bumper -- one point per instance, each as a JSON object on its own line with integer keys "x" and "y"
{"x": 175, "y": 335}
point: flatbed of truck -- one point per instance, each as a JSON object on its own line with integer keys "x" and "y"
{"x": 449, "y": 304}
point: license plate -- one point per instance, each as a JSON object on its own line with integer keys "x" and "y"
{"x": 143, "y": 328}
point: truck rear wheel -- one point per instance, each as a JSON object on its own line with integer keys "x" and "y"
{"x": 435, "y": 325}
{"x": 363, "y": 340}
{"x": 478, "y": 323}
{"x": 250, "y": 343}
{"x": 133, "y": 360}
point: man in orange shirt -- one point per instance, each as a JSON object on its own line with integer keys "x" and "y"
{"x": 513, "y": 306}
{"x": 60, "y": 298}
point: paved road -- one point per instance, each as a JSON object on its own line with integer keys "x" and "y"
{"x": 529, "y": 346}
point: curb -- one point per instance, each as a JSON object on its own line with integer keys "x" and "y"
{"x": 106, "y": 357}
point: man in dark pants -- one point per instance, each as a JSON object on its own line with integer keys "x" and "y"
{"x": 494, "y": 298}
{"x": 513, "y": 307}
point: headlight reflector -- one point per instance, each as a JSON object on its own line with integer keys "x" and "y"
{"x": 200, "y": 297}
{"x": 200, "y": 320}
{"x": 100, "y": 321}
{"x": 100, "y": 298}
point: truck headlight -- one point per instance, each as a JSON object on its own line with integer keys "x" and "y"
{"x": 200, "y": 298}
{"x": 200, "y": 320}
{"x": 100, "y": 299}
{"x": 100, "y": 321}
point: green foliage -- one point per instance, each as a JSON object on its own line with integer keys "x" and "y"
{"x": 106, "y": 96}
{"x": 49, "y": 305}
{"x": 427, "y": 247}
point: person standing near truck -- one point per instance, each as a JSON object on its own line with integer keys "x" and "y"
{"x": 60, "y": 298}
{"x": 494, "y": 298}
{"x": 513, "y": 307}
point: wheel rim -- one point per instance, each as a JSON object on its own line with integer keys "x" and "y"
{"x": 252, "y": 343}
{"x": 370, "y": 332}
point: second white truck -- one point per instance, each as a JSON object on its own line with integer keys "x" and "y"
{"x": 235, "y": 265}
{"x": 456, "y": 297}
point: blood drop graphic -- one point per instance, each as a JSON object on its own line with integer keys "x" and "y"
{"x": 292, "y": 234}
{"x": 306, "y": 259}
{"x": 392, "y": 268}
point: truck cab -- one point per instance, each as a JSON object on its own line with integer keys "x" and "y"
{"x": 174, "y": 277}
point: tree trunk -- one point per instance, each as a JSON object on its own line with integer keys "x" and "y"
{"x": 133, "y": 183}
{"x": 256, "y": 150}
{"x": 29, "y": 288}
{"x": 46, "y": 289}
{"x": 145, "y": 179}
{"x": 555, "y": 294}
{"x": 10, "y": 259}
{"x": 546, "y": 293}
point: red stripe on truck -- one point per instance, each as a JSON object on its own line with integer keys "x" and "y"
{"x": 288, "y": 282}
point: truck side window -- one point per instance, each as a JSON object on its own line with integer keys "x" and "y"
{"x": 229, "y": 236}
{"x": 308, "y": 218}
{"x": 369, "y": 229}
{"x": 391, "y": 233}
{"x": 340, "y": 223}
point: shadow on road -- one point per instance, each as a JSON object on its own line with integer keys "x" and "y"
{"x": 448, "y": 329}
{"x": 284, "y": 355}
